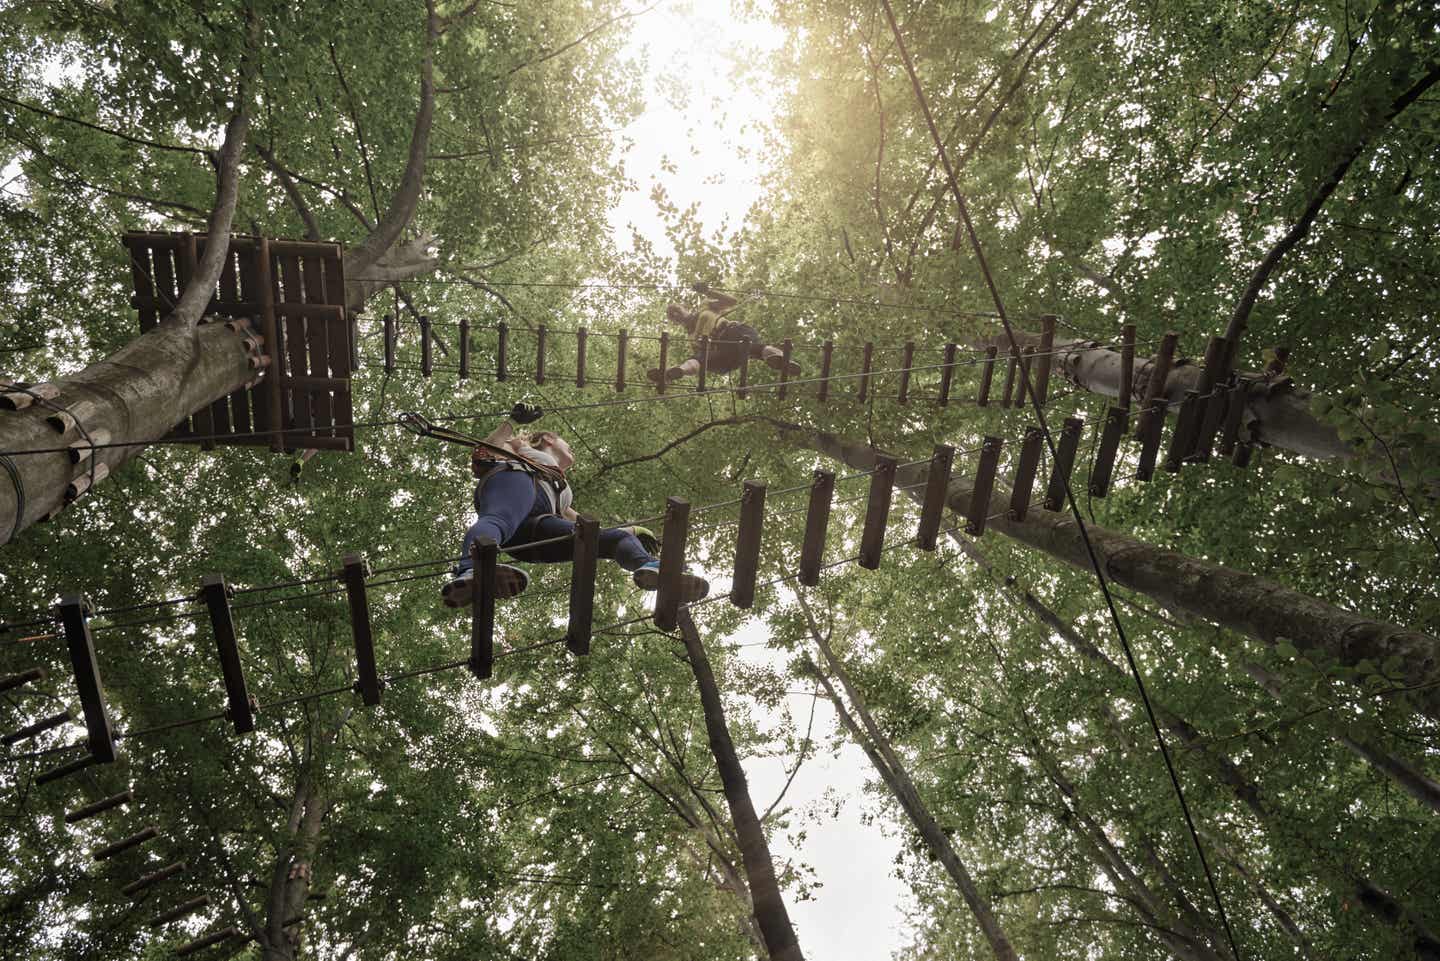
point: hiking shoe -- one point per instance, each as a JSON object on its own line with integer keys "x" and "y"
{"x": 655, "y": 377}
{"x": 693, "y": 587}
{"x": 776, "y": 362}
{"x": 509, "y": 581}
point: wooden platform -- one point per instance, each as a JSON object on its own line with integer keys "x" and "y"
{"x": 297, "y": 287}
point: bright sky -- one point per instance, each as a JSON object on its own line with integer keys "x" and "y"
{"x": 712, "y": 140}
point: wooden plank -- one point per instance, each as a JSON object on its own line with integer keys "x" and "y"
{"x": 206, "y": 941}
{"x": 320, "y": 335}
{"x": 947, "y": 374}
{"x": 987, "y": 376}
{"x": 908, "y": 361}
{"x": 877, "y": 511}
{"x": 216, "y": 596}
{"x": 153, "y": 878}
{"x": 1155, "y": 386}
{"x": 296, "y": 363}
{"x": 167, "y": 292}
{"x": 747, "y": 544}
{"x": 581, "y": 336}
{"x": 540, "y": 354}
{"x": 388, "y": 324}
{"x": 1234, "y": 414}
{"x": 1182, "y": 438}
{"x": 39, "y": 727}
{"x": 703, "y": 352}
{"x": 100, "y": 807}
{"x": 1005, "y": 400}
{"x": 582, "y": 585}
{"x": 179, "y": 911}
{"x": 257, "y": 285}
{"x": 827, "y": 357}
{"x": 142, "y": 278}
{"x": 502, "y": 344}
{"x": 1153, "y": 421}
{"x": 937, "y": 488}
{"x": 1212, "y": 402}
{"x": 1045, "y": 355}
{"x": 427, "y": 359}
{"x": 984, "y": 485}
{"x": 31, "y": 676}
{"x": 672, "y": 562}
{"x": 741, "y": 392}
{"x": 1104, "y": 469}
{"x": 1127, "y": 365}
{"x": 1025, "y": 388}
{"x": 1025, "y": 471}
{"x": 1060, "y": 471}
{"x": 368, "y": 681}
{"x": 665, "y": 363}
{"x": 620, "y": 357}
{"x": 484, "y": 555}
{"x": 125, "y": 844}
{"x": 74, "y": 615}
{"x": 464, "y": 348}
{"x": 817, "y": 524}
{"x": 66, "y": 769}
{"x": 867, "y": 357}
{"x": 786, "y": 349}
{"x": 337, "y": 338}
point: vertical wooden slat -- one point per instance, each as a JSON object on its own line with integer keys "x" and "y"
{"x": 906, "y": 363}
{"x": 74, "y": 613}
{"x": 1127, "y": 365}
{"x": 1183, "y": 437}
{"x": 166, "y": 288}
{"x": 141, "y": 275}
{"x": 337, "y": 339}
{"x": 703, "y": 351}
{"x": 937, "y": 487}
{"x": 483, "y": 558}
{"x": 672, "y": 562}
{"x": 1234, "y": 415}
{"x": 581, "y": 338}
{"x": 947, "y": 375}
{"x": 427, "y": 359}
{"x": 984, "y": 485}
{"x": 817, "y": 524}
{"x": 464, "y": 348}
{"x": 1064, "y": 463}
{"x": 216, "y": 595}
{"x": 866, "y": 357}
{"x": 389, "y": 327}
{"x": 368, "y": 684}
{"x": 582, "y": 585}
{"x": 1005, "y": 400}
{"x": 1025, "y": 387}
{"x": 502, "y": 343}
{"x": 1212, "y": 401}
{"x": 786, "y": 349}
{"x": 1025, "y": 470}
{"x": 297, "y": 364}
{"x": 827, "y": 357}
{"x": 320, "y": 334}
{"x": 1155, "y": 385}
{"x": 620, "y": 358}
{"x": 740, "y": 391}
{"x": 664, "y": 362}
{"x": 987, "y": 376}
{"x": 1045, "y": 355}
{"x": 540, "y": 354}
{"x": 747, "y": 544}
{"x": 1104, "y": 469}
{"x": 877, "y": 511}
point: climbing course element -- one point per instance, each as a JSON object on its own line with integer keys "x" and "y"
{"x": 74, "y": 615}
{"x": 216, "y": 595}
{"x": 483, "y": 558}
{"x": 672, "y": 562}
{"x": 582, "y": 585}
{"x": 937, "y": 488}
{"x": 747, "y": 544}
{"x": 368, "y": 678}
{"x": 817, "y": 524}
{"x": 984, "y": 485}
{"x": 877, "y": 512}
{"x": 1064, "y": 463}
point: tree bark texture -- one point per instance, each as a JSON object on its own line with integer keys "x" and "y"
{"x": 770, "y": 912}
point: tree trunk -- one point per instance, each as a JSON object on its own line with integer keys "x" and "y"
{"x": 290, "y": 878}
{"x": 770, "y": 912}
{"x": 1246, "y": 603}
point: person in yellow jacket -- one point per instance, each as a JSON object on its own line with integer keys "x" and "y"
{"x": 730, "y": 340}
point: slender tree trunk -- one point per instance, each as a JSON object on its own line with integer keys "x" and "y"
{"x": 770, "y": 912}
{"x": 1246, "y": 603}
{"x": 290, "y": 878}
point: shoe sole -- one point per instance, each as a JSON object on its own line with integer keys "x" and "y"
{"x": 692, "y": 588}
{"x": 509, "y": 581}
{"x": 777, "y": 364}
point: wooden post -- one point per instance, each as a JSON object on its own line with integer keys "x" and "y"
{"x": 354, "y": 574}
{"x": 664, "y": 361}
{"x": 216, "y": 595}
{"x": 502, "y": 343}
{"x": 483, "y": 558}
{"x": 672, "y": 562}
{"x": 786, "y": 349}
{"x": 74, "y": 613}
{"x": 66, "y": 769}
{"x": 1127, "y": 366}
{"x": 582, "y": 585}
{"x": 1155, "y": 386}
{"x": 827, "y": 355}
{"x": 1025, "y": 470}
{"x": 270, "y": 330}
{"x": 1010, "y": 378}
{"x": 464, "y": 348}
{"x": 1025, "y": 387}
{"x": 39, "y": 727}
{"x": 1212, "y": 403}
{"x": 905, "y": 365}
{"x": 581, "y": 336}
{"x": 987, "y": 375}
{"x": 937, "y": 486}
{"x": 1046, "y": 355}
{"x": 1064, "y": 463}
{"x": 99, "y": 807}
{"x": 984, "y": 485}
{"x": 1183, "y": 437}
{"x": 947, "y": 374}
{"x": 747, "y": 544}
{"x": 153, "y": 878}
{"x": 179, "y": 911}
{"x": 1104, "y": 467}
{"x": 125, "y": 844}
{"x": 388, "y": 327}
{"x": 817, "y": 523}
{"x": 540, "y": 354}
{"x": 877, "y": 511}
{"x": 865, "y": 358}
{"x": 1234, "y": 414}
{"x": 12, "y": 681}
{"x": 426, "y": 357}
{"x": 624, "y": 348}
{"x": 704, "y": 352}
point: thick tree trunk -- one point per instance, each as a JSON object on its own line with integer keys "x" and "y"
{"x": 770, "y": 912}
{"x": 290, "y": 878}
{"x": 1246, "y": 603}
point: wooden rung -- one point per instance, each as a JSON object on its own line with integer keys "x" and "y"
{"x": 464, "y": 348}
{"x": 740, "y": 391}
{"x": 1127, "y": 365}
{"x": 1104, "y": 469}
{"x": 877, "y": 511}
{"x": 74, "y": 615}
{"x": 1234, "y": 415}
{"x": 987, "y": 376}
{"x": 153, "y": 878}
{"x": 426, "y": 357}
{"x": 1155, "y": 386}
{"x": 100, "y": 807}
{"x": 83, "y": 448}
{"x": 368, "y": 682}
{"x": 827, "y": 356}
{"x": 582, "y": 585}
{"x": 581, "y": 337}
{"x": 1214, "y": 408}
{"x": 787, "y": 347}
{"x": 1010, "y": 379}
{"x": 747, "y": 544}
{"x": 502, "y": 350}
{"x": 905, "y": 364}
{"x": 620, "y": 356}
{"x": 1152, "y": 421}
{"x": 947, "y": 374}
{"x": 817, "y": 524}
{"x": 1046, "y": 355}
{"x": 866, "y": 357}
{"x": 672, "y": 562}
{"x": 484, "y": 555}
{"x": 209, "y": 940}
{"x": 540, "y": 354}
{"x": 39, "y": 727}
{"x": 1025, "y": 385}
{"x": 984, "y": 485}
{"x": 664, "y": 362}
{"x": 1064, "y": 463}
{"x": 64, "y": 770}
{"x": 1025, "y": 470}
{"x": 12, "y": 681}
{"x": 937, "y": 489}
{"x": 125, "y": 844}
{"x": 180, "y": 911}
{"x": 216, "y": 595}
{"x": 1183, "y": 436}
{"x": 702, "y": 351}
{"x": 86, "y": 479}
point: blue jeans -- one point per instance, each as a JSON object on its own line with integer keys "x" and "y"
{"x": 514, "y": 510}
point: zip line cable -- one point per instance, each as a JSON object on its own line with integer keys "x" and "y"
{"x": 984, "y": 266}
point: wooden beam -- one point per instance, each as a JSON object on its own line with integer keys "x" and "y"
{"x": 664, "y": 361}
{"x": 703, "y": 350}
{"x": 502, "y": 349}
{"x": 937, "y": 487}
{"x": 12, "y": 681}
{"x": 74, "y": 615}
{"x": 620, "y": 357}
{"x": 1183, "y": 437}
{"x": 1064, "y": 463}
{"x": 867, "y": 356}
{"x": 1046, "y": 354}
{"x": 206, "y": 941}
{"x": 817, "y": 523}
{"x": 581, "y": 337}
{"x": 39, "y": 727}
{"x": 582, "y": 585}
{"x": 540, "y": 354}
{"x": 747, "y": 544}
{"x": 179, "y": 911}
{"x": 786, "y": 349}
{"x": 987, "y": 376}
{"x": 1105, "y": 455}
{"x": 368, "y": 682}
{"x": 216, "y": 594}
{"x": 906, "y": 363}
{"x": 426, "y": 350}
{"x": 984, "y": 485}
{"x": 66, "y": 769}
{"x": 484, "y": 555}
{"x": 153, "y": 878}
{"x": 464, "y": 348}
{"x": 947, "y": 374}
{"x": 827, "y": 357}
{"x": 100, "y": 807}
{"x": 877, "y": 511}
{"x": 1025, "y": 470}
{"x": 125, "y": 844}
{"x": 672, "y": 562}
